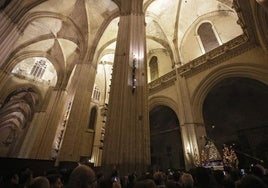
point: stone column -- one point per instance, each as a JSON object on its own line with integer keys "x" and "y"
{"x": 77, "y": 140}
{"x": 4, "y": 77}
{"x": 28, "y": 150}
{"x": 192, "y": 132}
{"x": 9, "y": 36}
{"x": 42, "y": 131}
{"x": 127, "y": 138}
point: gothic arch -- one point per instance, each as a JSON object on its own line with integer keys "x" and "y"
{"x": 192, "y": 30}
{"x": 118, "y": 3}
{"x": 165, "y": 130}
{"x": 16, "y": 114}
{"x": 25, "y": 55}
{"x": 96, "y": 53}
{"x": 28, "y": 18}
{"x": 165, "y": 101}
{"x": 101, "y": 52}
{"x": 240, "y": 70}
{"x": 167, "y": 46}
{"x": 8, "y": 90}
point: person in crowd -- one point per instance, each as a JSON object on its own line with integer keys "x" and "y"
{"x": 40, "y": 182}
{"x": 82, "y": 177}
{"x": 131, "y": 180}
{"x": 159, "y": 179}
{"x": 203, "y": 177}
{"x": 228, "y": 183}
{"x": 147, "y": 183}
{"x": 55, "y": 180}
{"x": 25, "y": 177}
{"x": 10, "y": 180}
{"x": 172, "y": 184}
{"x": 124, "y": 181}
{"x": 259, "y": 171}
{"x": 174, "y": 180}
{"x": 250, "y": 181}
{"x": 116, "y": 182}
{"x": 104, "y": 183}
{"x": 219, "y": 177}
{"x": 187, "y": 180}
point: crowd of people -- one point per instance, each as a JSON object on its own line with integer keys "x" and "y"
{"x": 84, "y": 176}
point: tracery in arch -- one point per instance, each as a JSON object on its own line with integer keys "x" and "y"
{"x": 37, "y": 69}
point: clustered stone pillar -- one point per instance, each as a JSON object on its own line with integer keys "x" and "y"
{"x": 191, "y": 130}
{"x": 127, "y": 138}
{"x": 77, "y": 142}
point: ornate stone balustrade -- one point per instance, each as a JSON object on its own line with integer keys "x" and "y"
{"x": 162, "y": 82}
{"x": 216, "y": 56}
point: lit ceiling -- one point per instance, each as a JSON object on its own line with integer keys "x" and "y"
{"x": 65, "y": 31}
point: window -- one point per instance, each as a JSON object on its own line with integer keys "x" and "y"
{"x": 207, "y": 36}
{"x": 154, "y": 68}
{"x": 92, "y": 118}
{"x": 39, "y": 68}
{"x": 96, "y": 93}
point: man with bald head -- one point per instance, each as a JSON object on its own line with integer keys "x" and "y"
{"x": 82, "y": 177}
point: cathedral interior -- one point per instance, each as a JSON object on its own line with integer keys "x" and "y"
{"x": 133, "y": 83}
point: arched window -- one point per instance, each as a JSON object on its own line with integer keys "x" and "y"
{"x": 96, "y": 93}
{"x": 154, "y": 68}
{"x": 207, "y": 36}
{"x": 39, "y": 68}
{"x": 93, "y": 118}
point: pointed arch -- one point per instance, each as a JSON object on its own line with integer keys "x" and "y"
{"x": 16, "y": 114}
{"x": 240, "y": 70}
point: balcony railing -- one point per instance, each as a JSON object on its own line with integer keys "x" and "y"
{"x": 214, "y": 57}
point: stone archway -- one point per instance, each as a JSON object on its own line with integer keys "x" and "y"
{"x": 235, "y": 112}
{"x": 15, "y": 115}
{"x": 165, "y": 136}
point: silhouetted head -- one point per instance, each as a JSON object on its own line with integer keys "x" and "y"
{"x": 219, "y": 176}
{"x": 250, "y": 181}
{"x": 26, "y": 176}
{"x": 187, "y": 180}
{"x": 148, "y": 183}
{"x": 55, "y": 180}
{"x": 202, "y": 176}
{"x": 82, "y": 177}
{"x": 40, "y": 182}
{"x": 258, "y": 170}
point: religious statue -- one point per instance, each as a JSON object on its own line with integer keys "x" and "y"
{"x": 229, "y": 157}
{"x": 210, "y": 155}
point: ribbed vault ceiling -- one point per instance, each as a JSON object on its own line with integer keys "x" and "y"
{"x": 67, "y": 31}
